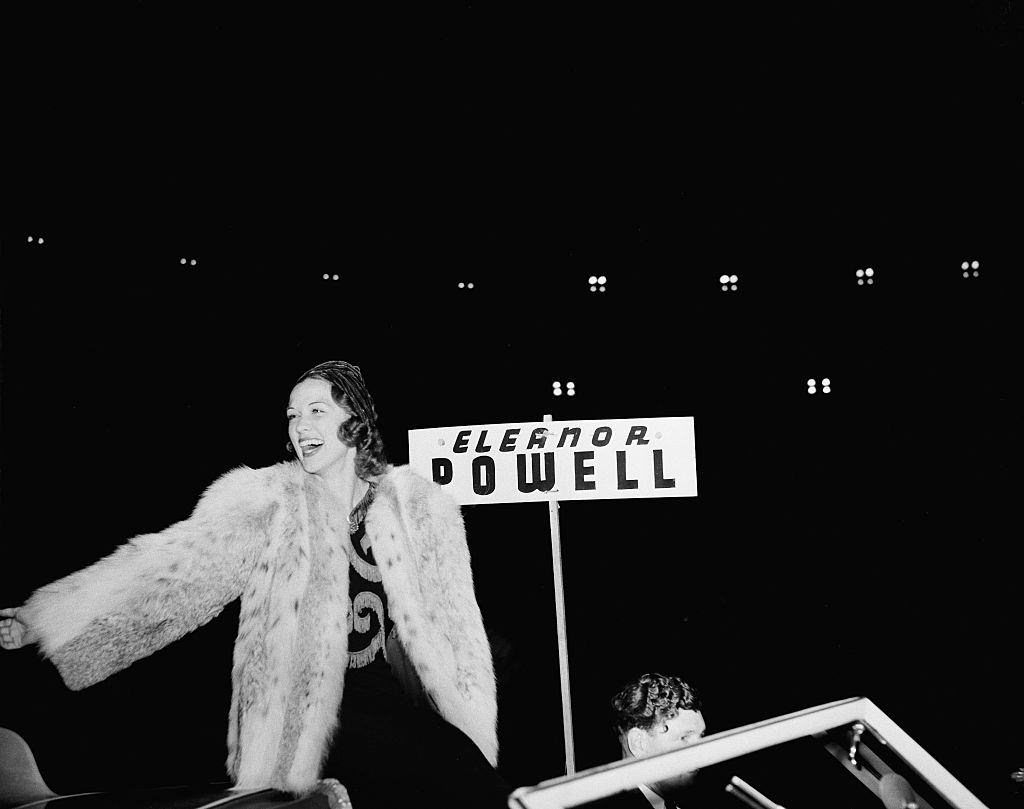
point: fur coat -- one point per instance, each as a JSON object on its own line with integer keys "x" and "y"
{"x": 263, "y": 535}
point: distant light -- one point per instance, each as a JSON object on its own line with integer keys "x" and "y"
{"x": 597, "y": 283}
{"x": 30, "y": 240}
{"x": 465, "y": 284}
{"x": 556, "y": 388}
{"x": 970, "y": 265}
{"x": 826, "y": 385}
{"x": 470, "y": 285}
{"x": 41, "y": 241}
{"x": 193, "y": 262}
{"x": 327, "y": 277}
{"x": 184, "y": 261}
{"x": 335, "y": 277}
{"x": 728, "y": 282}
{"x": 811, "y": 386}
{"x": 461, "y": 285}
{"x": 570, "y": 388}
{"x": 865, "y": 276}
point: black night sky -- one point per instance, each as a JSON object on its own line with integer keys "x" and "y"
{"x": 855, "y": 543}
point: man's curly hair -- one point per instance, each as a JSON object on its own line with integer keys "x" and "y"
{"x": 651, "y": 699}
{"x": 360, "y": 430}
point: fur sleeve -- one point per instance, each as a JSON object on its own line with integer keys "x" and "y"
{"x": 156, "y": 587}
{"x": 419, "y": 541}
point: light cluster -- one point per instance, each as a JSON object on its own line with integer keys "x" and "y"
{"x": 865, "y": 277}
{"x": 35, "y": 239}
{"x": 970, "y": 268}
{"x": 190, "y": 262}
{"x": 597, "y": 283}
{"x": 826, "y": 385}
{"x": 465, "y": 284}
{"x": 556, "y": 388}
{"x": 728, "y": 282}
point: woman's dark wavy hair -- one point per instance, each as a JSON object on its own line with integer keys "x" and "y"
{"x": 650, "y": 699}
{"x": 360, "y": 431}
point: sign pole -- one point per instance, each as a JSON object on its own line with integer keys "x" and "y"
{"x": 563, "y": 646}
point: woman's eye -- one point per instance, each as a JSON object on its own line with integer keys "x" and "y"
{"x": 318, "y": 410}
{"x": 291, "y": 416}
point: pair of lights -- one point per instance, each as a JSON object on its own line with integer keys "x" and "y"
{"x": 191, "y": 262}
{"x": 465, "y": 285}
{"x": 329, "y": 277}
{"x": 865, "y": 276}
{"x": 728, "y": 282}
{"x": 970, "y": 268}
{"x": 556, "y": 388}
{"x": 826, "y": 385}
{"x": 597, "y": 284}
{"x": 37, "y": 240}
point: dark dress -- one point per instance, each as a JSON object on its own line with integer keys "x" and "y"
{"x": 389, "y": 751}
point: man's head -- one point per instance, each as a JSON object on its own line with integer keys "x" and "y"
{"x": 654, "y": 713}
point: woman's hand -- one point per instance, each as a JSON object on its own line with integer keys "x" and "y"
{"x": 12, "y": 629}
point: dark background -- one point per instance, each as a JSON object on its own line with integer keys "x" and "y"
{"x": 855, "y": 543}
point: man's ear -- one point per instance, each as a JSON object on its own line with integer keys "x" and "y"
{"x": 636, "y": 741}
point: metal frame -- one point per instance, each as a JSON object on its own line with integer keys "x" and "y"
{"x": 605, "y": 780}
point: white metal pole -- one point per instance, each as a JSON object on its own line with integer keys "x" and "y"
{"x": 563, "y": 646}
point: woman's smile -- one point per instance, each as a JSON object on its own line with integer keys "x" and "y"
{"x": 310, "y": 446}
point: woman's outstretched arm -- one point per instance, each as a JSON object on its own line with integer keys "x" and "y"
{"x": 155, "y": 588}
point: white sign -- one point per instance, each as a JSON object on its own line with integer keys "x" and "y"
{"x": 567, "y": 460}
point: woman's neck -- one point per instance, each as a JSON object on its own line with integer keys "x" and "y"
{"x": 342, "y": 483}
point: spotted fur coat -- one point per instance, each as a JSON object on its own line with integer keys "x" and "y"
{"x": 263, "y": 535}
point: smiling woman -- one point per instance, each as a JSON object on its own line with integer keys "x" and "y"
{"x": 313, "y": 414}
{"x": 337, "y": 558}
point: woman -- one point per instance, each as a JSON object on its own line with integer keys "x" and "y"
{"x": 357, "y": 612}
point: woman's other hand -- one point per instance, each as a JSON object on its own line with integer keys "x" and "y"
{"x": 12, "y": 629}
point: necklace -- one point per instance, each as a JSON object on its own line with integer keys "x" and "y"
{"x": 355, "y": 516}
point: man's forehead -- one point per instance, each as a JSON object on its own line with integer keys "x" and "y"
{"x": 687, "y": 721}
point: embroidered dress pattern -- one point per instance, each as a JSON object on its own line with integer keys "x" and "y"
{"x": 368, "y": 621}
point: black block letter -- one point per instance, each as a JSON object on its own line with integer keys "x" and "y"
{"x": 441, "y": 470}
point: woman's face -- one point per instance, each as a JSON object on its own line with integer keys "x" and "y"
{"x": 313, "y": 421}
